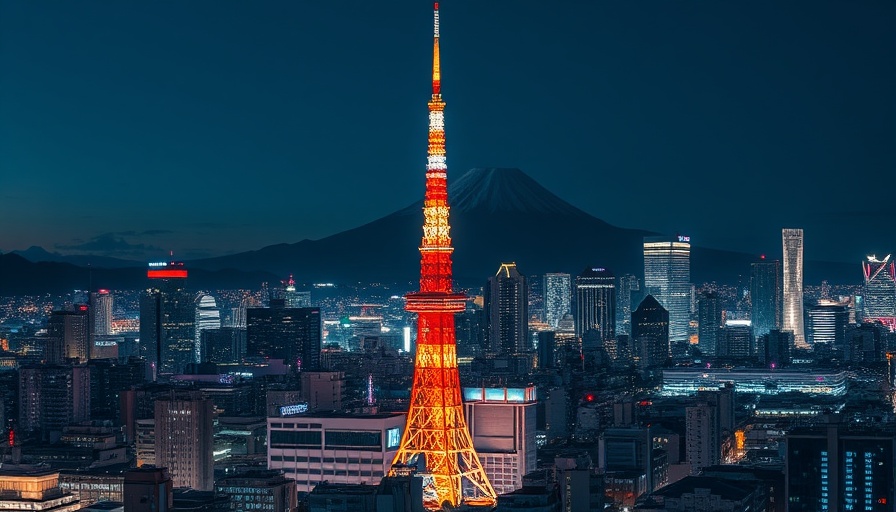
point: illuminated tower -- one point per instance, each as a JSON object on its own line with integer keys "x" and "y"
{"x": 436, "y": 433}
{"x": 880, "y": 290}
{"x": 793, "y": 285}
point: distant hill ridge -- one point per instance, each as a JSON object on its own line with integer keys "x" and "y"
{"x": 497, "y": 215}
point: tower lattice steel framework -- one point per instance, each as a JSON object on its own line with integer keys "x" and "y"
{"x": 436, "y": 429}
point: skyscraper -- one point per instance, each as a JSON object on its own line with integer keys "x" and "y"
{"x": 208, "y": 316}
{"x": 557, "y": 298}
{"x": 650, "y": 333}
{"x": 167, "y": 319}
{"x": 291, "y": 334}
{"x": 709, "y": 321}
{"x": 101, "y": 303}
{"x": 596, "y": 303}
{"x": 793, "y": 285}
{"x": 704, "y": 440}
{"x": 766, "y": 292}
{"x": 184, "y": 440}
{"x": 880, "y": 290}
{"x": 827, "y": 322}
{"x": 628, "y": 285}
{"x": 507, "y": 311}
{"x": 52, "y": 397}
{"x": 70, "y": 331}
{"x": 436, "y": 427}
{"x": 667, "y": 276}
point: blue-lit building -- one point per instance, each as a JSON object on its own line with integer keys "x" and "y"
{"x": 687, "y": 381}
{"x": 833, "y": 467}
{"x": 502, "y": 425}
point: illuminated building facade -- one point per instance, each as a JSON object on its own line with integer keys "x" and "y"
{"x": 167, "y": 319}
{"x": 507, "y": 311}
{"x": 69, "y": 330}
{"x": 826, "y": 323}
{"x": 792, "y": 319}
{"x": 557, "y": 298}
{"x": 766, "y": 296}
{"x": 667, "y": 276}
{"x": 34, "y": 489}
{"x": 338, "y": 448}
{"x": 596, "y": 303}
{"x": 259, "y": 490}
{"x": 101, "y": 304}
{"x": 833, "y": 467}
{"x": 208, "y": 316}
{"x": 502, "y": 423}
{"x": 736, "y": 339}
{"x": 436, "y": 428}
{"x": 184, "y": 440}
{"x": 687, "y": 381}
{"x": 880, "y": 290}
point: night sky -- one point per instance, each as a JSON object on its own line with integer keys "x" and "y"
{"x": 207, "y": 127}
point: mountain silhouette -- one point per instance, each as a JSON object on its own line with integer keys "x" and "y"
{"x": 497, "y": 215}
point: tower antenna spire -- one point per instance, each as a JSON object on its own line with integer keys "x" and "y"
{"x": 436, "y": 68}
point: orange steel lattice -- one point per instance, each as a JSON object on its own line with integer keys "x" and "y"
{"x": 436, "y": 430}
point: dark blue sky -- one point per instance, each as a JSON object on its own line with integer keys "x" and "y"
{"x": 131, "y": 128}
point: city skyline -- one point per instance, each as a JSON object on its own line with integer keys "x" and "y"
{"x": 220, "y": 116}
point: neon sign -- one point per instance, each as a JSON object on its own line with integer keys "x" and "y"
{"x": 287, "y": 410}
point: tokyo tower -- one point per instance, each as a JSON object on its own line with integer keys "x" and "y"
{"x": 436, "y": 432}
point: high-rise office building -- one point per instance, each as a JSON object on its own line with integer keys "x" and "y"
{"x": 208, "y": 316}
{"x": 766, "y": 296}
{"x": 667, "y": 276}
{"x": 292, "y": 297}
{"x": 792, "y": 319}
{"x": 826, "y": 323}
{"x": 704, "y": 441}
{"x": 596, "y": 303}
{"x": 650, "y": 333}
{"x": 70, "y": 330}
{"x": 627, "y": 288}
{"x": 167, "y": 319}
{"x": 557, "y": 298}
{"x": 184, "y": 440}
{"x": 502, "y": 423}
{"x": 709, "y": 322}
{"x": 53, "y": 397}
{"x": 736, "y": 339}
{"x": 507, "y": 311}
{"x": 223, "y": 345}
{"x": 773, "y": 348}
{"x": 834, "y": 467}
{"x": 101, "y": 305}
{"x": 291, "y": 334}
{"x": 535, "y": 284}
{"x": 880, "y": 290}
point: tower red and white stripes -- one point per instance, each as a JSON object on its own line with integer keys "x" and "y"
{"x": 436, "y": 431}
